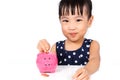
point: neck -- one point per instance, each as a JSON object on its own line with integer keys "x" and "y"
{"x": 73, "y": 45}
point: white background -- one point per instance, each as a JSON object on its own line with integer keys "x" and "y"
{"x": 24, "y": 22}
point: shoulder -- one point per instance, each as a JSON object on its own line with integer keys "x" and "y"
{"x": 95, "y": 49}
{"x": 95, "y": 44}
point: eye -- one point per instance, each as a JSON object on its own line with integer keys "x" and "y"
{"x": 65, "y": 21}
{"x": 78, "y": 20}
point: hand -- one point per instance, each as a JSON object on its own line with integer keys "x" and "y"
{"x": 81, "y": 74}
{"x": 43, "y": 46}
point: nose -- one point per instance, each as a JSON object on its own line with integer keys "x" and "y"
{"x": 72, "y": 26}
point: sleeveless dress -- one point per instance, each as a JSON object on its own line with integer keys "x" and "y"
{"x": 76, "y": 57}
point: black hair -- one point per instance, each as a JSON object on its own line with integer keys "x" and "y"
{"x": 66, "y": 5}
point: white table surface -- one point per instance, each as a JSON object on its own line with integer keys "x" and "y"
{"x": 62, "y": 73}
{"x": 28, "y": 71}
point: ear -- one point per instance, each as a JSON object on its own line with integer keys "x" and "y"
{"x": 90, "y": 21}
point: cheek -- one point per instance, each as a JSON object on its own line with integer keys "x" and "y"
{"x": 82, "y": 29}
{"x": 82, "y": 26}
{"x": 63, "y": 30}
{"x": 64, "y": 27}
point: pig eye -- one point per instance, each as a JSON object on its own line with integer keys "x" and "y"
{"x": 44, "y": 58}
{"x": 49, "y": 58}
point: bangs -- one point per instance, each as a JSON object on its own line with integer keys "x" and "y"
{"x": 71, "y": 6}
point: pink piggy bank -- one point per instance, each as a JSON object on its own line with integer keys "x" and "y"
{"x": 46, "y": 62}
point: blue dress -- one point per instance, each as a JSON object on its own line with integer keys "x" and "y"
{"x": 76, "y": 57}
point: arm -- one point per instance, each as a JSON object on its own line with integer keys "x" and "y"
{"x": 93, "y": 64}
{"x": 94, "y": 59}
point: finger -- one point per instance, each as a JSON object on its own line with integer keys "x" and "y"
{"x": 45, "y": 75}
{"x": 86, "y": 78}
{"x": 43, "y": 46}
{"x": 46, "y": 45}
{"x": 83, "y": 75}
{"x": 40, "y": 46}
{"x": 77, "y": 73}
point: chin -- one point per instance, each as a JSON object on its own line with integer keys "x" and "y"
{"x": 73, "y": 40}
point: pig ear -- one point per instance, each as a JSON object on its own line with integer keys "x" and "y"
{"x": 38, "y": 54}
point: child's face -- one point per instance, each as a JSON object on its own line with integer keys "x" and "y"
{"x": 75, "y": 26}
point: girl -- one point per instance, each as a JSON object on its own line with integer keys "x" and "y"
{"x": 75, "y": 17}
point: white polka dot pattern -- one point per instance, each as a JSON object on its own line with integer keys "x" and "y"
{"x": 77, "y": 57}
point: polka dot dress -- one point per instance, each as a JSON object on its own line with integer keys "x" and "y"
{"x": 77, "y": 57}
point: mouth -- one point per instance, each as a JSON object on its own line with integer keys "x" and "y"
{"x": 73, "y": 34}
